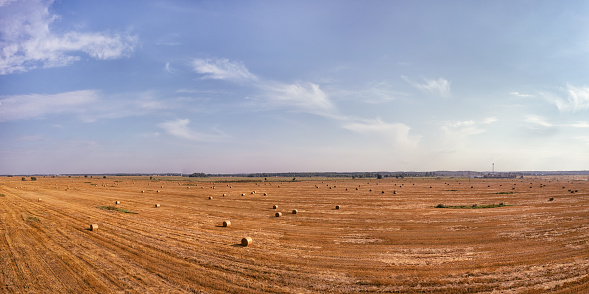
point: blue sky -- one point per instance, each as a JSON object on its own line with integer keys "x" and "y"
{"x": 279, "y": 86}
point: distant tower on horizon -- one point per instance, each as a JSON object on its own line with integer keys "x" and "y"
{"x": 493, "y": 170}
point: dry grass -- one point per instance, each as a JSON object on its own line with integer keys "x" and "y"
{"x": 380, "y": 242}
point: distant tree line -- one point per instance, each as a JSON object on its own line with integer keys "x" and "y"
{"x": 198, "y": 175}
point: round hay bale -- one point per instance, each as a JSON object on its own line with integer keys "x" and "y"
{"x": 224, "y": 195}
{"x": 117, "y": 202}
{"x": 337, "y": 207}
{"x": 158, "y": 191}
{"x": 246, "y": 241}
{"x": 210, "y": 197}
{"x": 278, "y": 214}
{"x": 157, "y": 205}
{"x": 142, "y": 191}
{"x": 265, "y": 194}
{"x": 39, "y": 200}
{"x": 275, "y": 207}
{"x": 294, "y": 211}
{"x": 226, "y": 223}
{"x": 242, "y": 194}
{"x": 93, "y": 227}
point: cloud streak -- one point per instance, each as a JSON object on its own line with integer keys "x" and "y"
{"x": 576, "y": 100}
{"x": 522, "y": 95}
{"x": 179, "y": 128}
{"x": 463, "y": 129}
{"x": 87, "y": 105}
{"x": 222, "y": 69}
{"x": 439, "y": 87}
{"x": 397, "y": 133}
{"x": 28, "y": 41}
{"x": 37, "y": 105}
{"x": 304, "y": 96}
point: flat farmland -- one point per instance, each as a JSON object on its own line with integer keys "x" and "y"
{"x": 411, "y": 235}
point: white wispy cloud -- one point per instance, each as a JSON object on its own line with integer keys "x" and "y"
{"x": 580, "y": 124}
{"x": 397, "y": 133}
{"x": 438, "y": 87}
{"x": 462, "y": 129}
{"x": 537, "y": 120}
{"x": 180, "y": 128}
{"x": 307, "y": 97}
{"x": 466, "y": 128}
{"x": 302, "y": 96}
{"x": 168, "y": 68}
{"x": 372, "y": 93}
{"x": 462, "y": 123}
{"x": 86, "y": 105}
{"x": 222, "y": 69}
{"x": 571, "y": 99}
{"x": 37, "y": 105}
{"x": 518, "y": 94}
{"x": 28, "y": 41}
{"x": 489, "y": 120}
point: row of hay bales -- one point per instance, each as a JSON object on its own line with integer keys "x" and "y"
{"x": 244, "y": 242}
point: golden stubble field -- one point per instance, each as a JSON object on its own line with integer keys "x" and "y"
{"x": 387, "y": 236}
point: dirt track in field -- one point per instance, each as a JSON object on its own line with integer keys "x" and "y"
{"x": 387, "y": 236}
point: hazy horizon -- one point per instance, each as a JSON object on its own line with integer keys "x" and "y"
{"x": 327, "y": 86}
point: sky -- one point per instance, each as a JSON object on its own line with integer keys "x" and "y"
{"x": 293, "y": 86}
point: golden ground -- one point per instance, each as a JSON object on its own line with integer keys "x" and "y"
{"x": 387, "y": 236}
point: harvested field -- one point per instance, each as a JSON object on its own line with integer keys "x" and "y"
{"x": 380, "y": 241}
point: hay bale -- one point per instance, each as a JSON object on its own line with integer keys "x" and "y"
{"x": 39, "y": 200}
{"x": 265, "y": 194}
{"x": 157, "y": 205}
{"x": 210, "y": 197}
{"x": 242, "y": 194}
{"x": 158, "y": 191}
{"x": 224, "y": 195}
{"x": 142, "y": 191}
{"x": 275, "y": 207}
{"x": 246, "y": 241}
{"x": 93, "y": 227}
{"x": 294, "y": 211}
{"x": 337, "y": 207}
{"x": 117, "y": 202}
{"x": 278, "y": 214}
{"x": 226, "y": 223}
